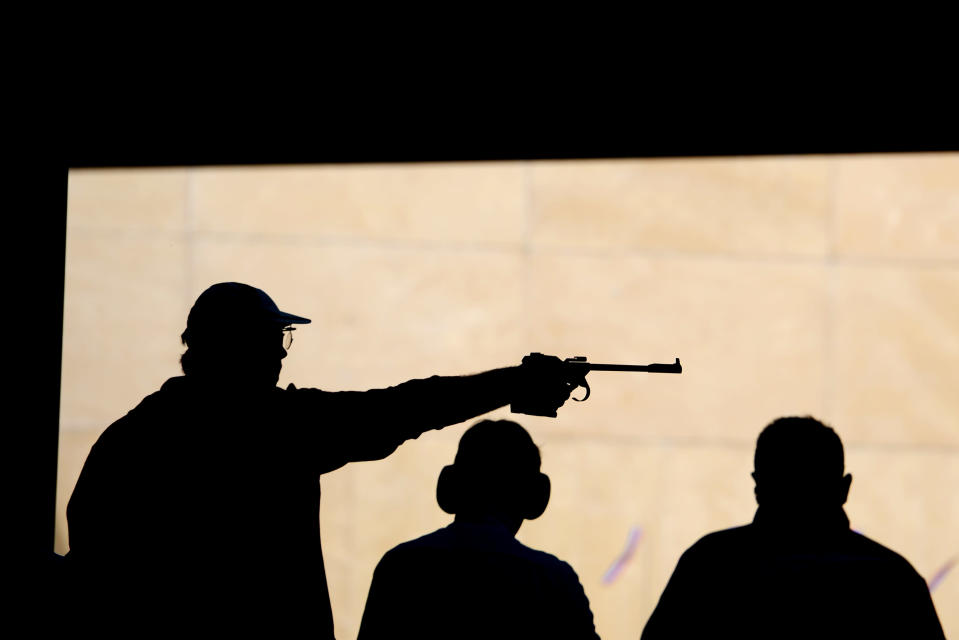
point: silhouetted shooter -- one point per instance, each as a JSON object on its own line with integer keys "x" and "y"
{"x": 797, "y": 571}
{"x": 198, "y": 511}
{"x": 473, "y": 580}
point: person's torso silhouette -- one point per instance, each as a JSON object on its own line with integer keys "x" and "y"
{"x": 473, "y": 579}
{"x": 199, "y": 509}
{"x": 797, "y": 571}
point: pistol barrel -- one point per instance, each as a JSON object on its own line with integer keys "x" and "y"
{"x": 675, "y": 367}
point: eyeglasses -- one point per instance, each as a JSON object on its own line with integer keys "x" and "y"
{"x": 288, "y": 337}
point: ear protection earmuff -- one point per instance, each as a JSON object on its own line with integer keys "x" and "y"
{"x": 536, "y": 496}
{"x": 532, "y": 496}
{"x": 448, "y": 490}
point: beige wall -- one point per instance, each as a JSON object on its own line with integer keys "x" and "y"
{"x": 824, "y": 285}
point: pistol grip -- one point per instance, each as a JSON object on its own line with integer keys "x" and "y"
{"x": 532, "y": 410}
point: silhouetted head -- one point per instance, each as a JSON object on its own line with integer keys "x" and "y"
{"x": 799, "y": 466}
{"x": 234, "y": 334}
{"x": 495, "y": 474}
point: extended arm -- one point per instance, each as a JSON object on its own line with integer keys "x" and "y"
{"x": 370, "y": 425}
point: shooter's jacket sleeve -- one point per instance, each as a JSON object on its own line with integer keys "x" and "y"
{"x": 351, "y": 426}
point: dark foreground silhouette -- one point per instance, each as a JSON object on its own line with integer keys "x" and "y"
{"x": 797, "y": 571}
{"x": 473, "y": 579}
{"x": 198, "y": 511}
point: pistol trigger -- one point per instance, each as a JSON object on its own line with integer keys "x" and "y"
{"x": 585, "y": 385}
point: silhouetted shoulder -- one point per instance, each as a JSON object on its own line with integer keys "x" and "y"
{"x": 174, "y": 403}
{"x": 733, "y": 536}
{"x": 746, "y": 581}
{"x": 844, "y": 547}
{"x": 124, "y": 440}
{"x": 724, "y": 545}
{"x": 868, "y": 547}
{"x": 469, "y": 580}
{"x": 490, "y": 541}
{"x": 151, "y": 407}
{"x": 858, "y": 545}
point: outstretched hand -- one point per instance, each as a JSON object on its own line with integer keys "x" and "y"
{"x": 544, "y": 384}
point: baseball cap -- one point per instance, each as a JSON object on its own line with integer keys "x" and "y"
{"x": 236, "y": 304}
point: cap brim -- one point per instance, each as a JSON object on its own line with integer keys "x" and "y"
{"x": 289, "y": 318}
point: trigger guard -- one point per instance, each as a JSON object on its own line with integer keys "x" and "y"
{"x": 585, "y": 386}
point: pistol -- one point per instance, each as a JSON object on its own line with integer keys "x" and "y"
{"x": 575, "y": 370}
